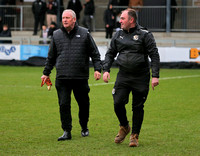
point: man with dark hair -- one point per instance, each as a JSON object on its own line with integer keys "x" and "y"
{"x": 133, "y": 44}
{"x": 70, "y": 49}
{"x": 53, "y": 27}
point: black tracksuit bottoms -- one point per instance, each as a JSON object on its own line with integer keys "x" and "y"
{"x": 138, "y": 84}
{"x": 81, "y": 90}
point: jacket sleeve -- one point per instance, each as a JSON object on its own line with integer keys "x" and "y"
{"x": 51, "y": 59}
{"x": 152, "y": 50}
{"x": 110, "y": 55}
{"x": 94, "y": 53}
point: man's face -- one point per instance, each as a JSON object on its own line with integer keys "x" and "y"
{"x": 125, "y": 21}
{"x": 68, "y": 21}
{"x": 44, "y": 27}
{"x": 5, "y": 28}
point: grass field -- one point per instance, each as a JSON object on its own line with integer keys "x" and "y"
{"x": 30, "y": 123}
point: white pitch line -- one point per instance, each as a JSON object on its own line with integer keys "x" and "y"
{"x": 101, "y": 84}
{"x": 178, "y": 77}
{"x": 164, "y": 78}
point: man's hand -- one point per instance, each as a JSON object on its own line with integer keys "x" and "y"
{"x": 46, "y": 79}
{"x": 97, "y": 75}
{"x": 154, "y": 82}
{"x": 106, "y": 77}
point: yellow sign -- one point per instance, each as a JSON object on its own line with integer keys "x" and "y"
{"x": 194, "y": 53}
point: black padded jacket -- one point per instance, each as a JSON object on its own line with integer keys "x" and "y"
{"x": 133, "y": 50}
{"x": 70, "y": 53}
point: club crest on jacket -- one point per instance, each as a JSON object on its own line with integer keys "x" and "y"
{"x": 135, "y": 37}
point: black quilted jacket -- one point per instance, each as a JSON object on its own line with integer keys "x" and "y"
{"x": 133, "y": 50}
{"x": 70, "y": 54}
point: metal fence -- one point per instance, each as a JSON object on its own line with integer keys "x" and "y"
{"x": 186, "y": 18}
{"x": 153, "y": 17}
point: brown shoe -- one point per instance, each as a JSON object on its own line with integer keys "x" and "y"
{"x": 134, "y": 140}
{"x": 122, "y": 134}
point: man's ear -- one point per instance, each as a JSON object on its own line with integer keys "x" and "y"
{"x": 132, "y": 20}
{"x": 74, "y": 19}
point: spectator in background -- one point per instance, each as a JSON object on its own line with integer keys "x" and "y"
{"x": 173, "y": 12}
{"x": 109, "y": 20}
{"x": 38, "y": 9}
{"x": 5, "y": 33}
{"x": 122, "y": 4}
{"x": 89, "y": 10}
{"x": 61, "y": 9}
{"x": 134, "y": 3}
{"x": 44, "y": 35}
{"x": 115, "y": 3}
{"x": 52, "y": 8}
{"x": 117, "y": 11}
{"x": 76, "y": 6}
{"x": 52, "y": 28}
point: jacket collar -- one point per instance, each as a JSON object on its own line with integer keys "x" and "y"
{"x": 131, "y": 30}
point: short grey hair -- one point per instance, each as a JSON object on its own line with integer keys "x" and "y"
{"x": 70, "y": 11}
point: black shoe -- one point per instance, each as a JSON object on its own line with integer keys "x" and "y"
{"x": 85, "y": 132}
{"x": 34, "y": 34}
{"x": 66, "y": 136}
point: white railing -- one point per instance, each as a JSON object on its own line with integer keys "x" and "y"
{"x": 29, "y": 40}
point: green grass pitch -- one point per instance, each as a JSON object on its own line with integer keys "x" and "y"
{"x": 30, "y": 122}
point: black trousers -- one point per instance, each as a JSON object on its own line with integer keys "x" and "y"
{"x": 80, "y": 89}
{"x": 87, "y": 22}
{"x": 38, "y": 20}
{"x": 139, "y": 86}
{"x": 109, "y": 32}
